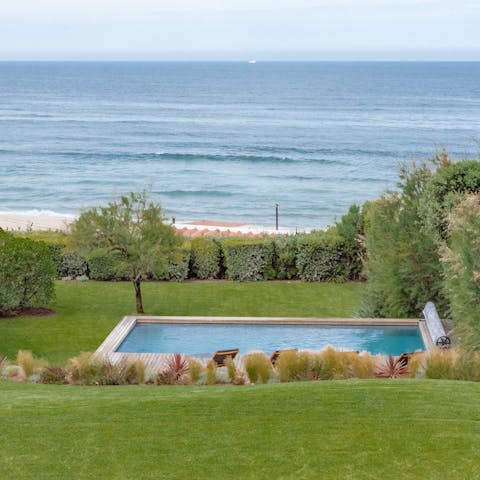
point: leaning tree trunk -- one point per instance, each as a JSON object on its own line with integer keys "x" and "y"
{"x": 138, "y": 293}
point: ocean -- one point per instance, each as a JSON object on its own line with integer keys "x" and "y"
{"x": 227, "y": 141}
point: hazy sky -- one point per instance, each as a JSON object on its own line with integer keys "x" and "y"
{"x": 238, "y": 29}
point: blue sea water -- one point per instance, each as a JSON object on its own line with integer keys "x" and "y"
{"x": 205, "y": 339}
{"x": 227, "y": 140}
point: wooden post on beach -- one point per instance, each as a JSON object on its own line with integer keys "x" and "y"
{"x": 276, "y": 216}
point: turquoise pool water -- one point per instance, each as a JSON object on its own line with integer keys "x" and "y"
{"x": 204, "y": 339}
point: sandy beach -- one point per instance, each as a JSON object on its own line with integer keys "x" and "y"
{"x": 23, "y": 221}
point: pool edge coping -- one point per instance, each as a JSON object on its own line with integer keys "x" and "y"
{"x": 156, "y": 361}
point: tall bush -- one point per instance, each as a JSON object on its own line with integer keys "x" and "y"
{"x": 446, "y": 189}
{"x": 402, "y": 260}
{"x": 350, "y": 229}
{"x": 461, "y": 261}
{"x": 27, "y": 274}
{"x": 205, "y": 258}
{"x": 249, "y": 259}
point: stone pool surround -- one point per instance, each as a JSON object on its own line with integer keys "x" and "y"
{"x": 156, "y": 361}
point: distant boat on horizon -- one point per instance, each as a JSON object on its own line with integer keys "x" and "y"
{"x": 252, "y": 61}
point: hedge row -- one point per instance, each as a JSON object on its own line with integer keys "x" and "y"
{"x": 319, "y": 256}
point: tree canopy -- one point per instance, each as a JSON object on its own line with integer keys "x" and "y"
{"x": 133, "y": 228}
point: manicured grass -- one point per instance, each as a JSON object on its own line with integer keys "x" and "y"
{"x": 328, "y": 430}
{"x": 87, "y": 312}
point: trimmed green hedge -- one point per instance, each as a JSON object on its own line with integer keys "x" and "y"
{"x": 321, "y": 257}
{"x": 72, "y": 265}
{"x": 205, "y": 258}
{"x": 178, "y": 266}
{"x": 285, "y": 259}
{"x": 104, "y": 265}
{"x": 249, "y": 259}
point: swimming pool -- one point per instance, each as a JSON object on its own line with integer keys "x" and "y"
{"x": 205, "y": 338}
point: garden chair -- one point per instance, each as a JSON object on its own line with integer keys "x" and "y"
{"x": 220, "y": 356}
{"x": 404, "y": 358}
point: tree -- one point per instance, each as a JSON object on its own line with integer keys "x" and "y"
{"x": 133, "y": 230}
{"x": 405, "y": 232}
{"x": 27, "y": 273}
{"x": 402, "y": 262}
{"x": 351, "y": 231}
{"x": 461, "y": 260}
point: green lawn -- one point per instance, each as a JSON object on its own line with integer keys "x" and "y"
{"x": 87, "y": 312}
{"x": 322, "y": 430}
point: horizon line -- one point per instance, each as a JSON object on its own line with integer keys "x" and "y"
{"x": 444, "y": 54}
{"x": 246, "y": 60}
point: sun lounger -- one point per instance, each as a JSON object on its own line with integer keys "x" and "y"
{"x": 220, "y": 356}
{"x": 404, "y": 358}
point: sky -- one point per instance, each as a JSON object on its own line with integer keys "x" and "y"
{"x": 240, "y": 29}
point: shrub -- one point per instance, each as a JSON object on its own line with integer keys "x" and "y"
{"x": 321, "y": 257}
{"x": 3, "y": 364}
{"x": 285, "y": 259}
{"x": 176, "y": 367}
{"x": 28, "y": 363}
{"x": 231, "y": 368}
{"x": 416, "y": 364}
{"x": 105, "y": 265}
{"x": 56, "y": 250}
{"x": 239, "y": 378}
{"x": 316, "y": 366}
{"x": 467, "y": 366}
{"x": 13, "y": 372}
{"x": 27, "y": 274}
{"x": 248, "y": 259}
{"x": 89, "y": 369}
{"x": 461, "y": 262}
{"x": 335, "y": 364}
{"x": 195, "y": 369}
{"x": 85, "y": 369}
{"x": 362, "y": 365}
{"x": 178, "y": 266}
{"x": 392, "y": 367}
{"x": 453, "y": 365}
{"x": 114, "y": 374}
{"x": 440, "y": 364}
{"x": 258, "y": 367}
{"x": 205, "y": 258}
{"x": 135, "y": 372}
{"x": 53, "y": 374}
{"x": 52, "y": 237}
{"x": 449, "y": 185}
{"x": 211, "y": 373}
{"x": 402, "y": 263}
{"x": 351, "y": 231}
{"x": 404, "y": 234}
{"x": 72, "y": 265}
{"x": 286, "y": 365}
